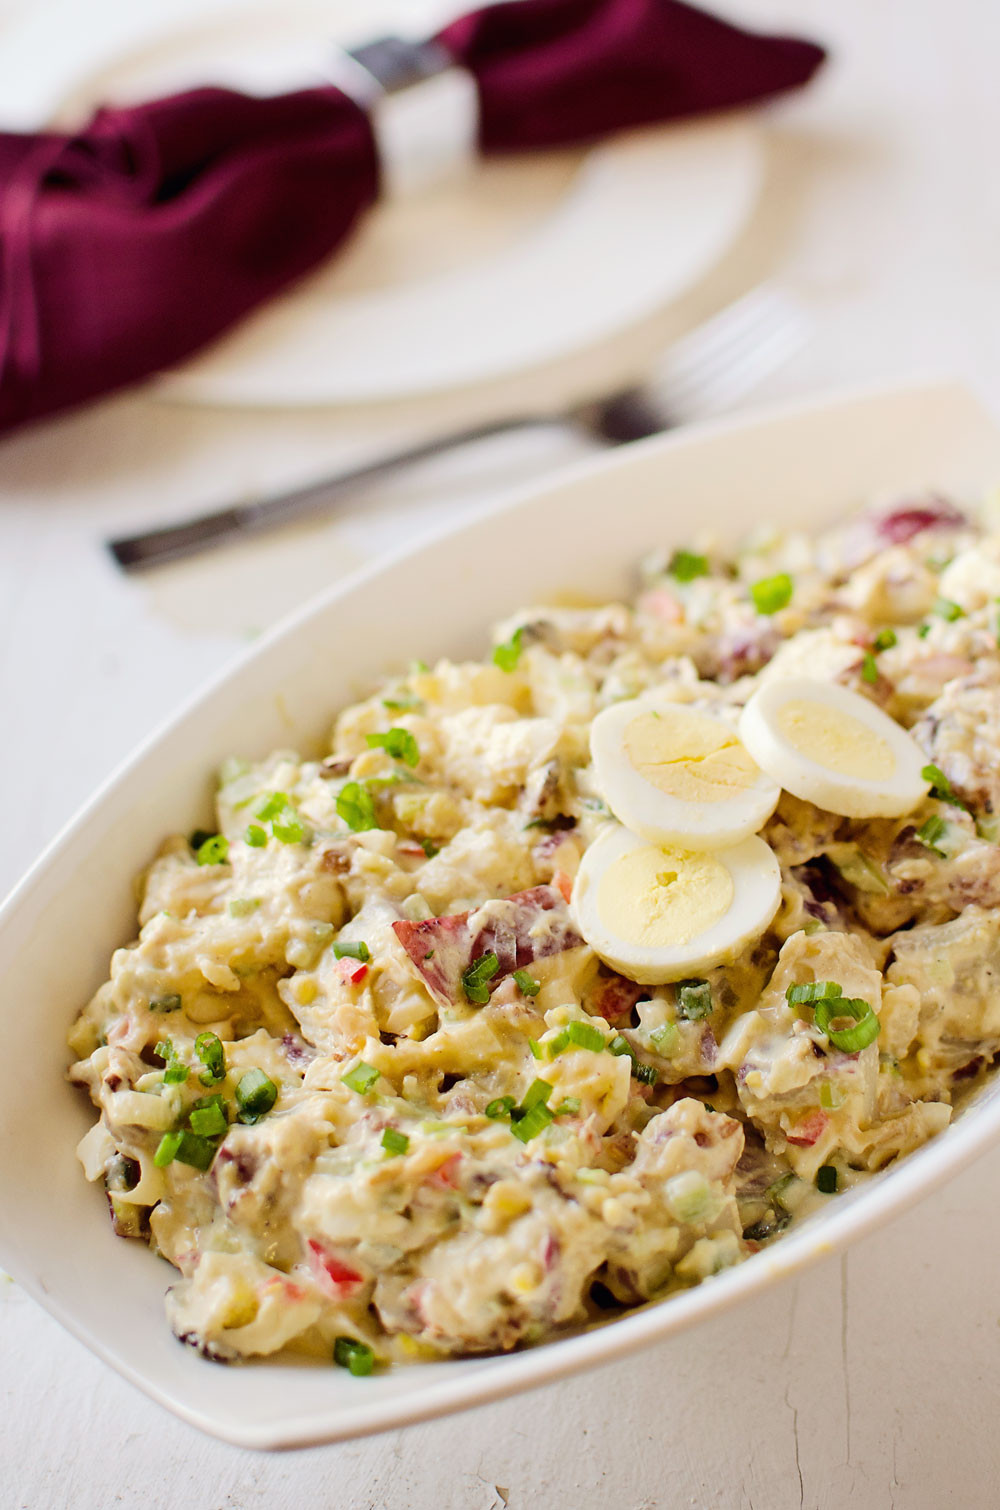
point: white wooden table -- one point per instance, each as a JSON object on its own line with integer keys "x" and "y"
{"x": 872, "y": 1381}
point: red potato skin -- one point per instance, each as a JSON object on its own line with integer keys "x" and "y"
{"x": 442, "y": 949}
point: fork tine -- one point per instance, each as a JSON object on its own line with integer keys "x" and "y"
{"x": 735, "y": 329}
{"x": 721, "y": 387}
{"x": 725, "y": 366}
{"x": 761, "y": 304}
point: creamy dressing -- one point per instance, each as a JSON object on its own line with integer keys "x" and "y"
{"x": 360, "y": 1077}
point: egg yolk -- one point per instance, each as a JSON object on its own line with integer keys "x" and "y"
{"x": 836, "y": 740}
{"x": 688, "y": 756}
{"x": 658, "y": 898}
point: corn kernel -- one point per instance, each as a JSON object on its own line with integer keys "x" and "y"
{"x": 305, "y": 990}
{"x": 524, "y": 1279}
{"x": 506, "y": 1198}
{"x": 241, "y": 1308}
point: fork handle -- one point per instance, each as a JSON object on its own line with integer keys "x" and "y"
{"x": 152, "y": 547}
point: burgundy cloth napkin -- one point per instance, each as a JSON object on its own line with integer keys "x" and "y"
{"x": 127, "y": 246}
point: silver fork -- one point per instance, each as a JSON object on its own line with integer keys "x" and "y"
{"x": 702, "y": 373}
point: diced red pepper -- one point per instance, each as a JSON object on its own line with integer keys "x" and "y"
{"x": 564, "y": 884}
{"x": 446, "y": 1173}
{"x": 352, "y": 971}
{"x": 518, "y": 929}
{"x": 809, "y": 1131}
{"x": 334, "y": 1275}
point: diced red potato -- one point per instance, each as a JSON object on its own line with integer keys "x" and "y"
{"x": 809, "y": 1131}
{"x": 899, "y": 525}
{"x": 442, "y": 949}
{"x": 613, "y": 997}
{"x": 662, "y": 604}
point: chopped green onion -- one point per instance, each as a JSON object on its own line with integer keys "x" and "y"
{"x": 826, "y": 1179}
{"x": 851, "y": 1040}
{"x": 619, "y": 1045}
{"x": 356, "y": 806}
{"x": 777, "y": 1191}
{"x": 664, "y": 1039}
{"x": 288, "y": 829}
{"x": 506, "y": 656}
{"x": 199, "y": 836}
{"x": 537, "y": 1052}
{"x": 361, "y": 1078}
{"x": 694, "y": 999}
{"x": 208, "y": 1047}
{"x": 988, "y": 827}
{"x": 941, "y": 786}
{"x": 213, "y": 851}
{"x": 532, "y": 1123}
{"x": 772, "y": 593}
{"x": 568, "y": 1108}
{"x": 583, "y": 1035}
{"x": 256, "y": 1093}
{"x": 242, "y": 907}
{"x": 869, "y": 668}
{"x": 686, "y": 565}
{"x": 474, "y": 979}
{"x": 526, "y": 983}
{"x": 923, "y": 631}
{"x": 885, "y": 639}
{"x": 208, "y": 1121}
{"x": 930, "y": 832}
{"x": 176, "y": 1071}
{"x": 169, "y": 1003}
{"x": 394, "y": 1142}
{"x": 537, "y": 1094}
{"x": 429, "y": 848}
{"x": 646, "y": 1074}
{"x": 356, "y": 1357}
{"x": 271, "y": 804}
{"x": 195, "y": 1151}
{"x": 166, "y": 1149}
{"x": 501, "y": 1107}
{"x": 399, "y": 743}
{"x": 359, "y": 951}
{"x": 403, "y": 702}
{"x": 814, "y": 990}
{"x": 829, "y": 1098}
{"x": 946, "y": 609}
{"x": 255, "y": 836}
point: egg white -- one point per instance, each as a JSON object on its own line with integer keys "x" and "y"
{"x": 755, "y": 877}
{"x": 893, "y": 792}
{"x": 661, "y": 816}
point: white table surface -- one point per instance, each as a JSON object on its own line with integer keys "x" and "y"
{"x": 872, "y": 1380}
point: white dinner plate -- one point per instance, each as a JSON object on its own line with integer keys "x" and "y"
{"x": 57, "y": 931}
{"x": 521, "y": 261}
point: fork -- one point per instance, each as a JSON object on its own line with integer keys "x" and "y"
{"x": 702, "y": 373}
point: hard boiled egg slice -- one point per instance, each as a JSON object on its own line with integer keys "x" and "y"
{"x": 657, "y": 914}
{"x": 678, "y": 776}
{"x": 832, "y": 747}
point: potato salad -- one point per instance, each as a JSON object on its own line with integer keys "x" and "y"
{"x": 570, "y": 977}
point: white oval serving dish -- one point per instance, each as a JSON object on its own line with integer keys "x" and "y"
{"x": 583, "y": 534}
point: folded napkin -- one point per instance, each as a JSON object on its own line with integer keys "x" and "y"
{"x": 127, "y": 246}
